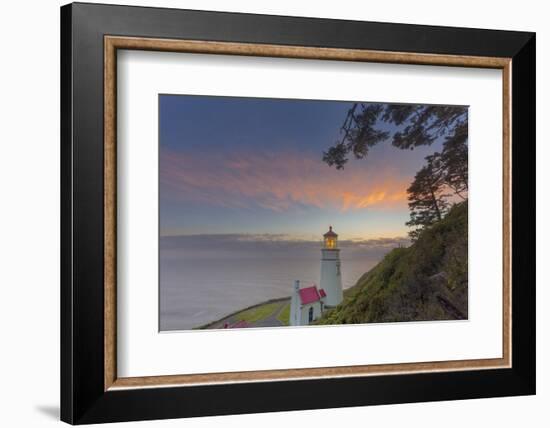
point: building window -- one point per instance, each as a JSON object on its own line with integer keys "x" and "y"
{"x": 310, "y": 314}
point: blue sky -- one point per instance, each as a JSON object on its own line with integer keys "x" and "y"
{"x": 250, "y": 166}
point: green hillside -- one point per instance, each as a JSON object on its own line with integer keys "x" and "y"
{"x": 426, "y": 281}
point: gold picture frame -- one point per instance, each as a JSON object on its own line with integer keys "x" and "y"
{"x": 114, "y": 43}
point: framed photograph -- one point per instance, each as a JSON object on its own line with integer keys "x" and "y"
{"x": 257, "y": 207}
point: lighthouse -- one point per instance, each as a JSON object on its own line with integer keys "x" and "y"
{"x": 331, "y": 273}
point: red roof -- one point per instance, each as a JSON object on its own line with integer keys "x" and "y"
{"x": 311, "y": 295}
{"x": 239, "y": 324}
{"x": 322, "y": 293}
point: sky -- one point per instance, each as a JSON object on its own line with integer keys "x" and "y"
{"x": 252, "y": 168}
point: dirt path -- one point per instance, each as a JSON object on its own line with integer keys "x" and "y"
{"x": 272, "y": 320}
{"x": 269, "y": 321}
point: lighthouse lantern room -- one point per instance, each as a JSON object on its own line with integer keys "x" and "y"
{"x": 331, "y": 239}
{"x": 331, "y": 275}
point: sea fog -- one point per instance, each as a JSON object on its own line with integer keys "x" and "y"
{"x": 206, "y": 277}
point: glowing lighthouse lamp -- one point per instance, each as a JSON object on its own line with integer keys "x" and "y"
{"x": 331, "y": 275}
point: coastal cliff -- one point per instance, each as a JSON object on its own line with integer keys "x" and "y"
{"x": 426, "y": 281}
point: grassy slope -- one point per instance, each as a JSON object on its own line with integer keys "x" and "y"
{"x": 284, "y": 315}
{"x": 426, "y": 281}
{"x": 254, "y": 313}
{"x": 257, "y": 313}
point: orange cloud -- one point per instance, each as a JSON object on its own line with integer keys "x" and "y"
{"x": 279, "y": 182}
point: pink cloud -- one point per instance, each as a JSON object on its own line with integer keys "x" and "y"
{"x": 278, "y": 182}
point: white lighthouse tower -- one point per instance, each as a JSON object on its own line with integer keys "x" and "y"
{"x": 331, "y": 275}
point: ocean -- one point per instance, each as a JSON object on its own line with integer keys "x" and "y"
{"x": 198, "y": 288}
